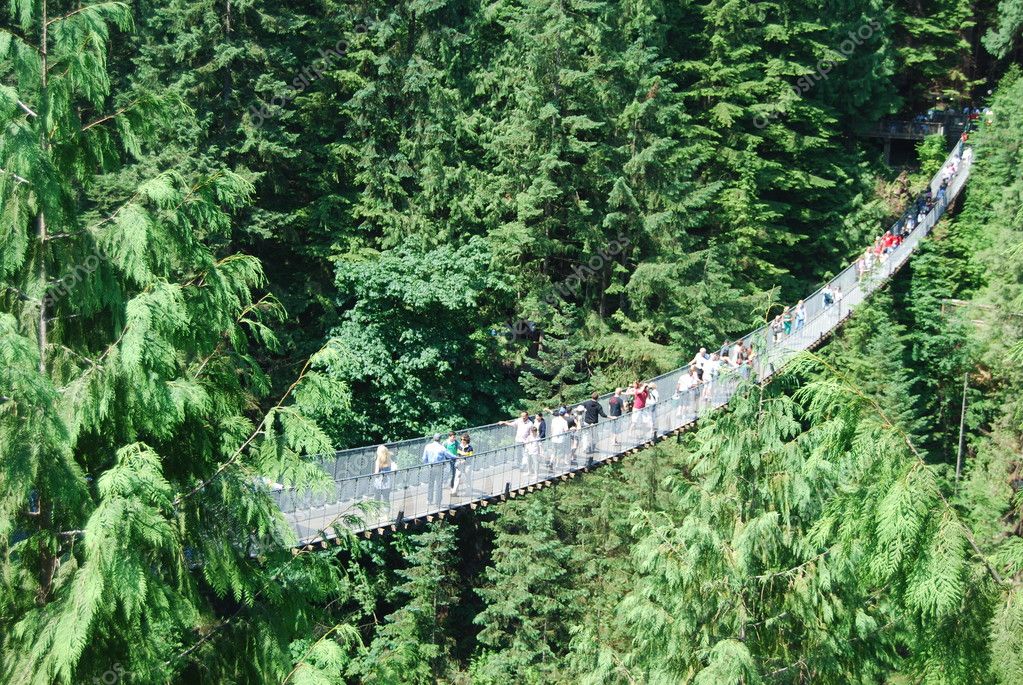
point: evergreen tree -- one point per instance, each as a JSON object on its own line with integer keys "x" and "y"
{"x": 529, "y": 597}
{"x": 557, "y": 375}
{"x": 130, "y": 498}
{"x": 413, "y": 644}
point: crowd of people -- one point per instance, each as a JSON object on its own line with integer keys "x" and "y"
{"x": 915, "y": 214}
{"x": 569, "y": 434}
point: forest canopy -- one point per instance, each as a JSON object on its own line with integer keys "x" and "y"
{"x": 235, "y": 234}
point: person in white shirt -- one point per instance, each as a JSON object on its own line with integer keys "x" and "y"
{"x": 522, "y": 426}
{"x": 531, "y": 452}
{"x": 711, "y": 369}
{"x": 699, "y": 360}
{"x": 735, "y": 354}
{"x": 559, "y": 437}
{"x": 687, "y": 398}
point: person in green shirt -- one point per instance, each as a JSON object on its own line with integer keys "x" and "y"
{"x": 451, "y": 445}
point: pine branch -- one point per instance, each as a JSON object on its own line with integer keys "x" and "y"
{"x": 921, "y": 461}
{"x": 248, "y": 441}
{"x": 108, "y": 117}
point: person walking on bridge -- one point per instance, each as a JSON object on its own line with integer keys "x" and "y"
{"x": 640, "y": 394}
{"x": 451, "y": 445}
{"x": 435, "y": 456}
{"x": 591, "y": 414}
{"x": 559, "y": 438}
{"x": 463, "y": 470}
{"x": 522, "y": 426}
{"x": 616, "y": 407}
{"x": 383, "y": 475}
{"x": 531, "y": 449}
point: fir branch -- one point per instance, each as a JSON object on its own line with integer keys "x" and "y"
{"x": 248, "y": 441}
{"x": 921, "y": 461}
{"x": 108, "y": 117}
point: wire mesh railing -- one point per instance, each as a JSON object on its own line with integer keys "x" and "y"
{"x": 501, "y": 465}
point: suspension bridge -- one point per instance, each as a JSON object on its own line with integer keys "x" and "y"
{"x": 499, "y": 468}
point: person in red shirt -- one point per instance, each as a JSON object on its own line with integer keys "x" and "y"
{"x": 640, "y": 393}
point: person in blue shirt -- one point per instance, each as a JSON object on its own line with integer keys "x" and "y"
{"x": 435, "y": 456}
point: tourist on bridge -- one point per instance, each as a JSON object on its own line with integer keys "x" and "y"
{"x": 383, "y": 475}
{"x": 827, "y": 296}
{"x": 687, "y": 381}
{"x": 640, "y": 394}
{"x": 541, "y": 424}
{"x": 735, "y": 355}
{"x": 699, "y": 360}
{"x": 435, "y": 456}
{"x": 800, "y": 315}
{"x": 463, "y": 472}
{"x": 592, "y": 410}
{"x": 451, "y": 445}
{"x": 651, "y": 408}
{"x": 711, "y": 371}
{"x": 531, "y": 452}
{"x": 559, "y": 438}
{"x": 575, "y": 427}
{"x": 616, "y": 407}
{"x": 522, "y": 426}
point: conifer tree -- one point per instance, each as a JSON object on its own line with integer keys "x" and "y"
{"x": 131, "y": 458}
{"x": 413, "y": 644}
{"x": 529, "y": 597}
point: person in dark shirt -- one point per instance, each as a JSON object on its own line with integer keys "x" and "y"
{"x": 541, "y": 425}
{"x": 616, "y": 407}
{"x": 463, "y": 474}
{"x": 592, "y": 410}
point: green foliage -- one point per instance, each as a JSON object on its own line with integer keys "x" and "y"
{"x": 208, "y": 204}
{"x": 1000, "y": 39}
{"x": 932, "y": 153}
{"x": 413, "y": 643}
{"x": 131, "y": 445}
{"x": 530, "y": 601}
{"x": 412, "y": 348}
